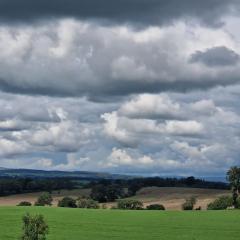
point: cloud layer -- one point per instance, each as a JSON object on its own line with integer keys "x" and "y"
{"x": 144, "y": 87}
{"x": 72, "y": 58}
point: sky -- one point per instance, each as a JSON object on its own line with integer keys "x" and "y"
{"x": 147, "y": 87}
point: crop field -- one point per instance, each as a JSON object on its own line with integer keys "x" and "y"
{"x": 77, "y": 224}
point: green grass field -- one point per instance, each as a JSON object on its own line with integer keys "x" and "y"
{"x": 77, "y": 224}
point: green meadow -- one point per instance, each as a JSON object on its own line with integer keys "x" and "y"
{"x": 78, "y": 224}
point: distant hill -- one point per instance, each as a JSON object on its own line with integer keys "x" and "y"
{"x": 215, "y": 179}
{"x": 5, "y": 172}
{"x": 34, "y": 173}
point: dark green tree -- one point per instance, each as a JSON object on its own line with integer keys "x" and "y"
{"x": 67, "y": 202}
{"x": 44, "y": 199}
{"x": 107, "y": 193}
{"x": 233, "y": 176}
{"x": 34, "y": 228}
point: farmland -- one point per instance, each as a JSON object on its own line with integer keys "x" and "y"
{"x": 76, "y": 224}
{"x": 171, "y": 198}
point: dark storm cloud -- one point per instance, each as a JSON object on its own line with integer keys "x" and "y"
{"x": 138, "y": 11}
{"x": 217, "y": 56}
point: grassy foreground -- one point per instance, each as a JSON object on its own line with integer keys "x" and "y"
{"x": 77, "y": 224}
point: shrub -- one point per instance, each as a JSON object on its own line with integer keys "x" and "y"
{"x": 189, "y": 203}
{"x": 67, "y": 202}
{"x": 155, "y": 207}
{"x": 44, "y": 199}
{"x": 220, "y": 203}
{"x": 34, "y": 228}
{"x": 24, "y": 203}
{"x": 130, "y": 204}
{"x": 87, "y": 203}
{"x": 104, "y": 206}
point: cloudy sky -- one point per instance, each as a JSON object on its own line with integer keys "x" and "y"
{"x": 131, "y": 86}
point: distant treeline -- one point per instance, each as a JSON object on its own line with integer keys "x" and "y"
{"x": 118, "y": 187}
{"x": 10, "y": 186}
{"x": 110, "y": 190}
{"x": 136, "y": 184}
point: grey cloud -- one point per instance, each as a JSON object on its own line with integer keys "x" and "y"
{"x": 216, "y": 57}
{"x": 89, "y": 60}
{"x": 139, "y": 12}
{"x": 59, "y": 76}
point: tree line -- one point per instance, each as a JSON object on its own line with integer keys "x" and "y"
{"x": 110, "y": 190}
{"x": 10, "y": 186}
{"x": 103, "y": 190}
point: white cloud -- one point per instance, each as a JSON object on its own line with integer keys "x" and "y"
{"x": 64, "y": 136}
{"x": 150, "y": 105}
{"x": 44, "y": 163}
{"x": 10, "y": 148}
{"x": 12, "y": 125}
{"x": 73, "y": 163}
{"x": 119, "y": 157}
{"x": 206, "y": 106}
{"x": 128, "y": 69}
{"x": 184, "y": 127}
{"x": 112, "y": 129}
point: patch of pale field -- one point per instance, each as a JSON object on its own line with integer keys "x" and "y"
{"x": 13, "y": 200}
{"x": 171, "y": 198}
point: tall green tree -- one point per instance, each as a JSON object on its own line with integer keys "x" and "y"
{"x": 233, "y": 176}
{"x": 34, "y": 228}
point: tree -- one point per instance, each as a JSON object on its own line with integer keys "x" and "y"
{"x": 189, "y": 203}
{"x": 67, "y": 202}
{"x": 87, "y": 203}
{"x": 220, "y": 203}
{"x": 109, "y": 193}
{"x": 44, "y": 199}
{"x": 233, "y": 176}
{"x": 130, "y": 204}
{"x": 34, "y": 228}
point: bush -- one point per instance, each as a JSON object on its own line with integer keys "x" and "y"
{"x": 24, "y": 203}
{"x": 189, "y": 203}
{"x": 104, "y": 206}
{"x": 130, "y": 204}
{"x": 155, "y": 207}
{"x": 44, "y": 199}
{"x": 87, "y": 203}
{"x": 67, "y": 202}
{"x": 34, "y": 228}
{"x": 220, "y": 203}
